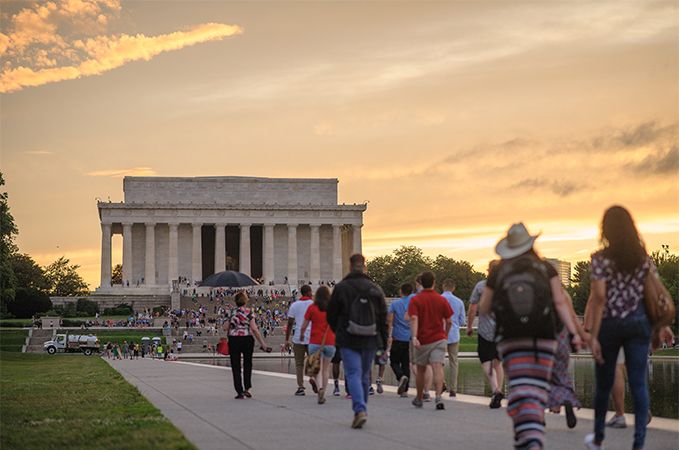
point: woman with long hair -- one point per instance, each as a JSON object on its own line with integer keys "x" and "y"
{"x": 241, "y": 327}
{"x": 322, "y": 339}
{"x": 619, "y": 319}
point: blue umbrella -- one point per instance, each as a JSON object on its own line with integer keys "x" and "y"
{"x": 229, "y": 278}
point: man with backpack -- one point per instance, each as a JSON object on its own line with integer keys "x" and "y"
{"x": 357, "y": 314}
{"x": 524, "y": 292}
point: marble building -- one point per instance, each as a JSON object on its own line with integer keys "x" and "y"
{"x": 282, "y": 230}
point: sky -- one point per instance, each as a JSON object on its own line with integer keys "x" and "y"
{"x": 452, "y": 120}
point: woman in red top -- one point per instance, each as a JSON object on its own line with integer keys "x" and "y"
{"x": 322, "y": 339}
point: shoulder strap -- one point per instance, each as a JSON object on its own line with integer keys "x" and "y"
{"x": 325, "y": 335}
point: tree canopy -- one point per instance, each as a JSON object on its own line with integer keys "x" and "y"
{"x": 64, "y": 280}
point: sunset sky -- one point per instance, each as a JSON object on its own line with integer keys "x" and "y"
{"x": 452, "y": 119}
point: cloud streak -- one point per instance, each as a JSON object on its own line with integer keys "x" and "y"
{"x": 39, "y": 49}
{"x": 134, "y": 172}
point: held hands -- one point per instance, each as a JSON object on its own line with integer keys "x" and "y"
{"x": 577, "y": 342}
{"x": 469, "y": 331}
{"x": 596, "y": 351}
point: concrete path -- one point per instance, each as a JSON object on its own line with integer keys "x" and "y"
{"x": 198, "y": 399}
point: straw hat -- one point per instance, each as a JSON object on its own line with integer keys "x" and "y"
{"x": 517, "y": 242}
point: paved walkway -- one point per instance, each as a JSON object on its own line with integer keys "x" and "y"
{"x": 198, "y": 399}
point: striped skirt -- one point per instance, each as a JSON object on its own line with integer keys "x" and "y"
{"x": 528, "y": 365}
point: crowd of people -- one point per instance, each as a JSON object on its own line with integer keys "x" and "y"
{"x": 527, "y": 328}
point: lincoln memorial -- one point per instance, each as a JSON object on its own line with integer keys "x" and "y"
{"x": 279, "y": 230}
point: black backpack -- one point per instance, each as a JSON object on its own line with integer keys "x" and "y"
{"x": 361, "y": 317}
{"x": 522, "y": 300}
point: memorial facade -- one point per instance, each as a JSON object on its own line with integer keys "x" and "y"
{"x": 279, "y": 230}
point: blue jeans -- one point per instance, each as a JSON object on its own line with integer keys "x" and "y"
{"x": 633, "y": 333}
{"x": 357, "y": 366}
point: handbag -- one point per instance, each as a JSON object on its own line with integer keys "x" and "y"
{"x": 312, "y": 365}
{"x": 223, "y": 347}
{"x": 660, "y": 307}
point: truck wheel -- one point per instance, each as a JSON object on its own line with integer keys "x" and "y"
{"x": 87, "y": 351}
{"x": 51, "y": 350}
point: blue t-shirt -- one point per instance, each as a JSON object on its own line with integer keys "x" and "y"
{"x": 459, "y": 317}
{"x": 400, "y": 326}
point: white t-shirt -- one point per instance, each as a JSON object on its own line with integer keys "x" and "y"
{"x": 297, "y": 311}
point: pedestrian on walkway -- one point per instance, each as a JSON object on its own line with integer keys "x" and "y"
{"x": 399, "y": 338}
{"x": 300, "y": 342}
{"x": 525, "y": 294}
{"x": 458, "y": 320}
{"x": 322, "y": 339}
{"x": 619, "y": 319}
{"x": 430, "y": 322}
{"x": 486, "y": 348}
{"x": 241, "y": 327}
{"x": 357, "y": 313}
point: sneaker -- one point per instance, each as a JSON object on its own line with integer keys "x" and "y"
{"x": 336, "y": 391}
{"x": 617, "y": 422}
{"x": 380, "y": 389}
{"x": 426, "y": 397}
{"x": 348, "y": 396}
{"x": 452, "y": 394}
{"x": 496, "y": 400}
{"x": 371, "y": 391}
{"x": 439, "y": 403}
{"x": 359, "y": 420}
{"x": 321, "y": 396}
{"x": 404, "y": 395}
{"x": 300, "y": 391}
{"x": 239, "y": 397}
{"x": 444, "y": 388}
{"x": 571, "y": 420}
{"x": 589, "y": 443}
{"x": 402, "y": 385}
{"x": 313, "y": 384}
{"x": 417, "y": 403}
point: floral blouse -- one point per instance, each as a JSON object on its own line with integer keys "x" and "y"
{"x": 624, "y": 291}
{"x": 239, "y": 321}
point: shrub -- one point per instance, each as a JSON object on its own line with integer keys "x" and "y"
{"x": 121, "y": 310}
{"x": 88, "y": 307}
{"x": 28, "y": 302}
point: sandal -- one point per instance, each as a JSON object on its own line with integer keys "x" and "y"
{"x": 247, "y": 394}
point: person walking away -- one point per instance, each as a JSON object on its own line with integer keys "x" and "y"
{"x": 619, "y": 319}
{"x": 486, "y": 347}
{"x": 357, "y": 313}
{"x": 525, "y": 294}
{"x": 428, "y": 312}
{"x": 322, "y": 339}
{"x": 300, "y": 341}
{"x": 126, "y": 349}
{"x": 240, "y": 329}
{"x": 458, "y": 320}
{"x": 398, "y": 330}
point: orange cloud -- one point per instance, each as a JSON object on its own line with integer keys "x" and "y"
{"x": 133, "y": 172}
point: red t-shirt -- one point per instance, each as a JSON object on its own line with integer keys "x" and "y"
{"x": 319, "y": 323}
{"x": 431, "y": 310}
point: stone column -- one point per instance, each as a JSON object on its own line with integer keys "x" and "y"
{"x": 127, "y": 253}
{"x": 173, "y": 261}
{"x": 315, "y": 254}
{"x": 292, "y": 254}
{"x": 220, "y": 248}
{"x": 105, "y": 255}
{"x": 197, "y": 254}
{"x": 337, "y": 252}
{"x": 358, "y": 245}
{"x": 244, "y": 252}
{"x": 150, "y": 275}
{"x": 267, "y": 256}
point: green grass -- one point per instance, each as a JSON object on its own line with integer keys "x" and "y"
{"x": 667, "y": 352}
{"x": 76, "y": 402}
{"x": 11, "y": 340}
{"x": 15, "y": 322}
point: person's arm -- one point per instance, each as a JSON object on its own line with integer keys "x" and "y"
{"x": 486, "y": 301}
{"x": 598, "y": 300}
{"x": 471, "y": 315}
{"x": 255, "y": 330}
{"x": 563, "y": 311}
{"x": 304, "y": 325}
{"x": 462, "y": 319}
{"x": 581, "y": 331}
{"x": 390, "y": 328}
{"x": 448, "y": 324}
{"x": 413, "y": 331}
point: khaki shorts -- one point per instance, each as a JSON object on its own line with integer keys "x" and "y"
{"x": 430, "y": 353}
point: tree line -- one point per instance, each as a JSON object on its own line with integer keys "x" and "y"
{"x": 25, "y": 286}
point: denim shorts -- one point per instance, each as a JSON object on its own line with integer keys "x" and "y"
{"x": 328, "y": 350}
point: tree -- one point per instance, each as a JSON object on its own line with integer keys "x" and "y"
{"x": 7, "y": 248}
{"x": 461, "y": 272}
{"x": 28, "y": 302}
{"x": 28, "y": 273}
{"x": 88, "y": 307}
{"x": 668, "y": 269}
{"x": 117, "y": 274}
{"x": 64, "y": 280}
{"x": 580, "y": 283}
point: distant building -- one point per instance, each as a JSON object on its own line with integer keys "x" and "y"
{"x": 563, "y": 268}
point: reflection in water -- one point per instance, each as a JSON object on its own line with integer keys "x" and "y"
{"x": 663, "y": 381}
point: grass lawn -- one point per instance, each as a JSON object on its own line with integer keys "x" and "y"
{"x": 667, "y": 352}
{"x": 76, "y": 402}
{"x": 16, "y": 322}
{"x": 11, "y": 340}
